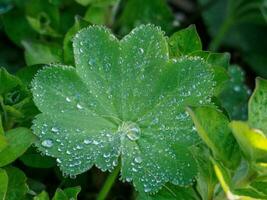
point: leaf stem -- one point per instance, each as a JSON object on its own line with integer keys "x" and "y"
{"x": 108, "y": 184}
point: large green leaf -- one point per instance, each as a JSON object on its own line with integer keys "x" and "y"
{"x": 124, "y": 98}
{"x": 19, "y": 140}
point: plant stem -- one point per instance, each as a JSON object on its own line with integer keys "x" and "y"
{"x": 108, "y": 184}
{"x": 216, "y": 42}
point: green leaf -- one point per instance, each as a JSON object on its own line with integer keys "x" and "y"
{"x": 217, "y": 135}
{"x": 60, "y": 195}
{"x": 156, "y": 12}
{"x": 206, "y": 179}
{"x": 43, "y": 17}
{"x": 127, "y": 99}
{"x": 100, "y": 14}
{"x": 26, "y": 74}
{"x": 4, "y": 184}
{"x": 42, "y": 53}
{"x": 17, "y": 187}
{"x": 19, "y": 140}
{"x": 3, "y": 141}
{"x": 257, "y": 110}
{"x": 224, "y": 177}
{"x": 185, "y": 41}
{"x": 33, "y": 159}
{"x": 72, "y": 193}
{"x": 19, "y": 29}
{"x": 42, "y": 196}
{"x": 170, "y": 192}
{"x": 252, "y": 142}
{"x": 67, "y": 43}
{"x": 8, "y": 81}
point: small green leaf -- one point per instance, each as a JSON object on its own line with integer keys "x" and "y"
{"x": 252, "y": 142}
{"x": 42, "y": 196}
{"x": 19, "y": 140}
{"x": 43, "y": 17}
{"x": 42, "y": 53}
{"x": 4, "y": 184}
{"x": 8, "y": 81}
{"x": 184, "y": 42}
{"x": 257, "y": 110}
{"x": 60, "y": 195}
{"x": 123, "y": 105}
{"x": 72, "y": 193}
{"x": 217, "y": 135}
{"x": 17, "y": 187}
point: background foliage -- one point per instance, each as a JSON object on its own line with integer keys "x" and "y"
{"x": 230, "y": 155}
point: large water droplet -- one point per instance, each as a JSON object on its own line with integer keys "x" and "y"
{"x": 47, "y": 143}
{"x": 131, "y": 130}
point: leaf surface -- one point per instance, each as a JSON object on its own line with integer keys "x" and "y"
{"x": 124, "y": 98}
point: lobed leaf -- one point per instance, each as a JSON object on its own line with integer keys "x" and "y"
{"x": 124, "y": 99}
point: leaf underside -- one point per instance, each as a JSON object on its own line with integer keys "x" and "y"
{"x": 124, "y": 99}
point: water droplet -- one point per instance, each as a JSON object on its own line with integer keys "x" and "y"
{"x": 138, "y": 159}
{"x": 68, "y": 99}
{"x": 79, "y": 106}
{"x": 58, "y": 160}
{"x": 54, "y": 129}
{"x": 86, "y": 141}
{"x": 47, "y": 143}
{"x": 141, "y": 50}
{"x": 68, "y": 152}
{"x": 131, "y": 130}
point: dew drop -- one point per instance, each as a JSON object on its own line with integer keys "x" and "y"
{"x": 68, "y": 99}
{"x": 141, "y": 50}
{"x": 138, "y": 159}
{"x": 131, "y": 130}
{"x": 47, "y": 143}
{"x": 54, "y": 129}
{"x": 86, "y": 141}
{"x": 79, "y": 106}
